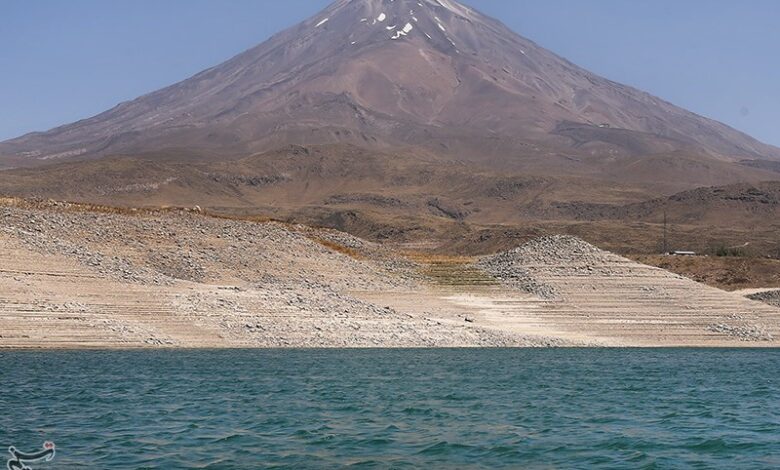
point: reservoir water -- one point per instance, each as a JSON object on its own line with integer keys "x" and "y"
{"x": 504, "y": 408}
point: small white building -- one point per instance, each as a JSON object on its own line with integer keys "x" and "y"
{"x": 683, "y": 253}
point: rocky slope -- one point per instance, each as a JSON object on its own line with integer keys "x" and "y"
{"x": 611, "y": 296}
{"x": 87, "y": 276}
{"x": 432, "y": 77}
{"x": 81, "y": 276}
{"x": 412, "y": 121}
{"x": 771, "y": 297}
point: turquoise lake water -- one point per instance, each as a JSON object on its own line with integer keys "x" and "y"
{"x": 505, "y": 408}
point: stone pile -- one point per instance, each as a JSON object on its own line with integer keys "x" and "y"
{"x": 161, "y": 249}
{"x": 519, "y": 267}
{"x": 771, "y": 297}
{"x": 743, "y": 332}
{"x": 556, "y": 250}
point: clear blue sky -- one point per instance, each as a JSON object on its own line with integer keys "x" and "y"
{"x": 65, "y": 60}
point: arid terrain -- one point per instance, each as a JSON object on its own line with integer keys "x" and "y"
{"x": 390, "y": 173}
{"x": 93, "y": 276}
{"x": 400, "y": 198}
{"x": 424, "y": 77}
{"x": 405, "y": 120}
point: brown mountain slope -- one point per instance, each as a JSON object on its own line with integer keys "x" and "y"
{"x": 432, "y": 75}
{"x": 726, "y": 206}
{"x": 404, "y": 198}
{"x": 414, "y": 121}
{"x": 298, "y": 176}
{"x": 349, "y": 176}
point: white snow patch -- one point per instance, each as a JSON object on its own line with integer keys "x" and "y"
{"x": 403, "y": 32}
{"x": 390, "y": 27}
{"x": 321, "y": 23}
{"x": 453, "y": 43}
{"x": 455, "y": 8}
{"x": 353, "y": 43}
{"x": 381, "y": 17}
{"x": 440, "y": 27}
{"x": 415, "y": 19}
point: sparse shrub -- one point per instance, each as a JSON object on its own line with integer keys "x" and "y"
{"x": 725, "y": 251}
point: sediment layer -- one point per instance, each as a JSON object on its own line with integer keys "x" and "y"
{"x": 74, "y": 276}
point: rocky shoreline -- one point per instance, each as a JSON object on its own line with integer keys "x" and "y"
{"x": 86, "y": 276}
{"x": 245, "y": 284}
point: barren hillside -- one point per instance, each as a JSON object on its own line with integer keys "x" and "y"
{"x": 416, "y": 122}
{"x": 426, "y": 77}
{"x": 91, "y": 276}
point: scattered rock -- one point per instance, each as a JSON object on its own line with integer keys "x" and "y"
{"x": 771, "y": 297}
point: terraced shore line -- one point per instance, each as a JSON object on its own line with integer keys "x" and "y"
{"x": 74, "y": 278}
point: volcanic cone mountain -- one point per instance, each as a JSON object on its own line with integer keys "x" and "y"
{"x": 431, "y": 77}
{"x": 407, "y": 120}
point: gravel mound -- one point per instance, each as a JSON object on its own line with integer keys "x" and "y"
{"x": 522, "y": 267}
{"x": 743, "y": 332}
{"x": 771, "y": 297}
{"x": 161, "y": 249}
{"x": 556, "y": 249}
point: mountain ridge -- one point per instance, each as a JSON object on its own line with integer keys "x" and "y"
{"x": 430, "y": 77}
{"x": 415, "y": 122}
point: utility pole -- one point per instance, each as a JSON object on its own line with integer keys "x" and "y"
{"x": 666, "y": 247}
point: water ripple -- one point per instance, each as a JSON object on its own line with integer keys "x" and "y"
{"x": 567, "y": 408}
